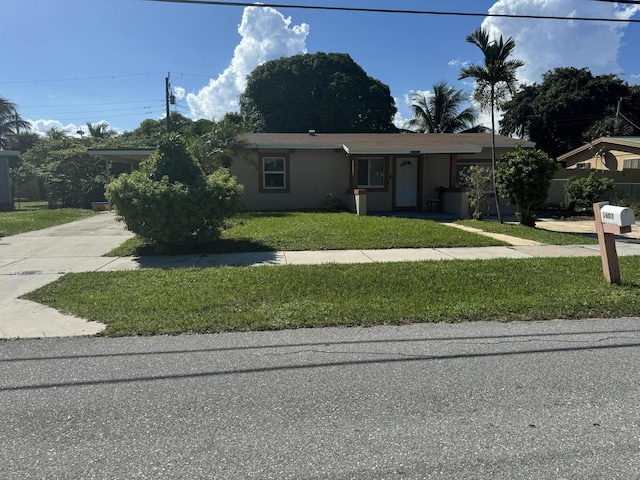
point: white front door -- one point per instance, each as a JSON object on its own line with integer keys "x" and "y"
{"x": 407, "y": 182}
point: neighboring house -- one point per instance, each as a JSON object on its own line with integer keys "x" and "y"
{"x": 605, "y": 153}
{"x": 6, "y": 198}
{"x": 407, "y": 171}
{"x": 613, "y": 157}
{"x": 398, "y": 171}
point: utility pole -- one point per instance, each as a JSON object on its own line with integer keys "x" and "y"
{"x": 166, "y": 93}
{"x": 617, "y": 129}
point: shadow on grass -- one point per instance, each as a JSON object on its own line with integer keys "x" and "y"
{"x": 240, "y": 245}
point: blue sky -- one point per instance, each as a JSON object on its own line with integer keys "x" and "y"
{"x": 68, "y": 62}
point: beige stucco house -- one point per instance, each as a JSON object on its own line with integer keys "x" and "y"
{"x": 382, "y": 172}
{"x": 605, "y": 153}
{"x": 398, "y": 171}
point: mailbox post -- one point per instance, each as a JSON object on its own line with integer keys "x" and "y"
{"x": 611, "y": 221}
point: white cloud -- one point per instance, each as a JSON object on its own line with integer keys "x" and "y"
{"x": 42, "y": 126}
{"x": 266, "y": 35}
{"x": 457, "y": 63}
{"x": 180, "y": 93}
{"x": 547, "y": 44}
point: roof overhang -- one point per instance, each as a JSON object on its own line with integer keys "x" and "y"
{"x": 409, "y": 151}
{"x": 9, "y": 153}
{"x": 370, "y": 144}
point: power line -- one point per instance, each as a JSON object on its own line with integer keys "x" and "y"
{"x": 391, "y": 10}
{"x": 628, "y": 2}
{"x": 91, "y": 112}
{"x": 89, "y": 104}
{"x": 5, "y": 82}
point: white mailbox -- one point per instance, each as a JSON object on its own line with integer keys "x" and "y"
{"x": 619, "y": 216}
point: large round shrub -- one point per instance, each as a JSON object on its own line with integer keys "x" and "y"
{"x": 524, "y": 176}
{"x": 171, "y": 201}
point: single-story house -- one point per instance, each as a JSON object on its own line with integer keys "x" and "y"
{"x": 398, "y": 171}
{"x": 393, "y": 171}
{"x": 605, "y": 153}
{"x": 6, "y": 198}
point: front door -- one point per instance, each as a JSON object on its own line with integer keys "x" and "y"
{"x": 406, "y": 195}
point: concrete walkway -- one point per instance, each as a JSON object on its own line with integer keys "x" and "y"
{"x": 31, "y": 260}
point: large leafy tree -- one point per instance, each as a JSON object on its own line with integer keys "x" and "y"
{"x": 10, "y": 122}
{"x": 495, "y": 80}
{"x": 324, "y": 92}
{"x": 441, "y": 112}
{"x": 571, "y": 106}
{"x": 70, "y": 176}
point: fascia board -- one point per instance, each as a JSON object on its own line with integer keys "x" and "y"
{"x": 289, "y": 146}
{"x": 406, "y": 151}
{"x": 9, "y": 153}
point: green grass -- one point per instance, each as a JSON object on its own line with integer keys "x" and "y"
{"x": 529, "y": 233}
{"x": 287, "y": 231}
{"x": 152, "y": 302}
{"x": 12, "y": 223}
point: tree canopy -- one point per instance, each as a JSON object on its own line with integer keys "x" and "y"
{"x": 323, "y": 92}
{"x": 569, "y": 107}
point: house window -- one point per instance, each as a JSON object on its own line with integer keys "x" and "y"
{"x": 371, "y": 172}
{"x": 274, "y": 173}
{"x": 632, "y": 163}
{"x": 583, "y": 166}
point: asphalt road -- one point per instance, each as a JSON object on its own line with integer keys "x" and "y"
{"x": 558, "y": 399}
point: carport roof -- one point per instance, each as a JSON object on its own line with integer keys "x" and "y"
{"x": 9, "y": 153}
{"x": 129, "y": 156}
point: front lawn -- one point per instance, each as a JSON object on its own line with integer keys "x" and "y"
{"x": 152, "y": 302}
{"x": 12, "y": 223}
{"x": 288, "y": 231}
{"x": 530, "y": 233}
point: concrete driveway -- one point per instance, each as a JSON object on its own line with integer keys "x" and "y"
{"x": 30, "y": 260}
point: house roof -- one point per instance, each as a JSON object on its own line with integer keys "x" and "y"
{"x": 382, "y": 143}
{"x": 632, "y": 142}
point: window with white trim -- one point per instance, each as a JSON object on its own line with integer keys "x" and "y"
{"x": 583, "y": 166}
{"x": 631, "y": 163}
{"x": 274, "y": 173}
{"x": 371, "y": 172}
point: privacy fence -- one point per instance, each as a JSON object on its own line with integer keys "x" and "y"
{"x": 627, "y": 184}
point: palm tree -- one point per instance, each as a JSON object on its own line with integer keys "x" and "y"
{"x": 440, "y": 112}
{"x": 100, "y": 130}
{"x": 10, "y": 121}
{"x": 222, "y": 144}
{"x": 495, "y": 80}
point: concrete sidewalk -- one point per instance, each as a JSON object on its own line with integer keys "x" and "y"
{"x": 31, "y": 260}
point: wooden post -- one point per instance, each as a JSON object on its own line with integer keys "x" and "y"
{"x": 607, "y": 240}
